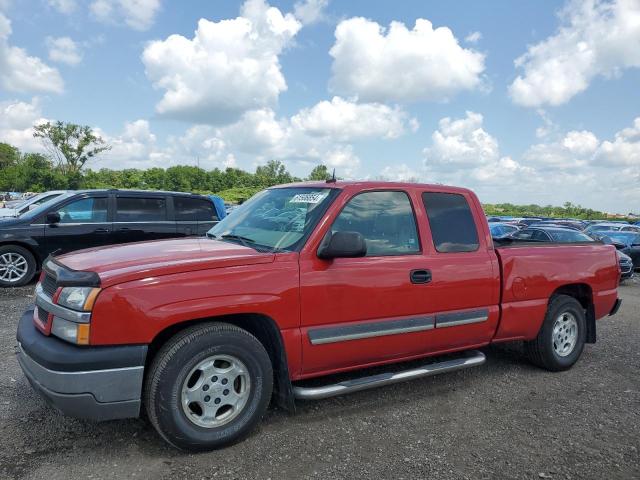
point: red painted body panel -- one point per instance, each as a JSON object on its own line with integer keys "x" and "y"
{"x": 123, "y": 263}
{"x": 531, "y": 274}
{"x": 148, "y": 287}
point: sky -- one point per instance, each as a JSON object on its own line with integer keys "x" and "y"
{"x": 524, "y": 102}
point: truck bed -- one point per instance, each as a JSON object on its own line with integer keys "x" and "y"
{"x": 532, "y": 272}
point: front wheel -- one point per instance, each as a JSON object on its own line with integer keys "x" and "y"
{"x": 17, "y": 266}
{"x": 208, "y": 387}
{"x": 561, "y": 339}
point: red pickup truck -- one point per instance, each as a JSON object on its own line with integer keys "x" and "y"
{"x": 302, "y": 281}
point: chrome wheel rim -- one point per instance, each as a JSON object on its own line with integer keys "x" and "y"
{"x": 565, "y": 334}
{"x": 13, "y": 267}
{"x": 215, "y": 391}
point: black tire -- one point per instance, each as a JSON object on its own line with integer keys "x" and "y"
{"x": 541, "y": 351}
{"x": 28, "y": 257}
{"x": 172, "y": 365}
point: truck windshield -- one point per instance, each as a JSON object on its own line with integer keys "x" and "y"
{"x": 275, "y": 219}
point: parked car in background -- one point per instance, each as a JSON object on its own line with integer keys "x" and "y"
{"x": 551, "y": 234}
{"x": 611, "y": 227}
{"x": 501, "y": 230}
{"x": 626, "y": 242}
{"x": 626, "y": 265}
{"x": 94, "y": 218}
{"x": 528, "y": 221}
{"x": 18, "y": 207}
{"x": 556, "y": 224}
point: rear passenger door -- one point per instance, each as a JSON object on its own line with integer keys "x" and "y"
{"x": 465, "y": 275}
{"x": 194, "y": 216}
{"x": 141, "y": 218}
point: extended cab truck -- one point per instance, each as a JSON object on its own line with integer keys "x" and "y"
{"x": 302, "y": 281}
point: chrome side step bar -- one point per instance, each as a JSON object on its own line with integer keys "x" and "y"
{"x": 473, "y": 358}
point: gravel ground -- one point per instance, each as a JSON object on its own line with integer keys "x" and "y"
{"x": 505, "y": 419}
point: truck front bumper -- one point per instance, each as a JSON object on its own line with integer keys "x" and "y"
{"x": 96, "y": 383}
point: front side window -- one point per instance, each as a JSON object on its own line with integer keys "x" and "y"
{"x": 139, "y": 209}
{"x": 385, "y": 220}
{"x": 194, "y": 209}
{"x": 87, "y": 210}
{"x": 452, "y": 226}
{"x": 275, "y": 219}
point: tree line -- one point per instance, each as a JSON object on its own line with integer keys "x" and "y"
{"x": 69, "y": 147}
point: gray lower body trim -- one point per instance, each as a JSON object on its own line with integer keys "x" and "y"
{"x": 461, "y": 318}
{"x": 94, "y": 394}
{"x": 319, "y": 336}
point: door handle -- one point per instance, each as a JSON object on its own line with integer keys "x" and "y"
{"x": 101, "y": 230}
{"x": 420, "y": 276}
{"x": 124, "y": 229}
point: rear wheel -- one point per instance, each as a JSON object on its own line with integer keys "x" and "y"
{"x": 208, "y": 387}
{"x": 561, "y": 339}
{"x": 17, "y": 266}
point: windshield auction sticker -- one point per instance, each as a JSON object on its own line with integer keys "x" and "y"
{"x": 311, "y": 197}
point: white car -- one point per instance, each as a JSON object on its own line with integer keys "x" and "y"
{"x": 30, "y": 204}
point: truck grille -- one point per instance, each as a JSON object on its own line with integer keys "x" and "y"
{"x": 49, "y": 284}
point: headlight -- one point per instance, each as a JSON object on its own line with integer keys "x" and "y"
{"x": 78, "y": 298}
{"x": 77, "y": 333}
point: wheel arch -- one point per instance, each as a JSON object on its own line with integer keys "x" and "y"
{"x": 261, "y": 326}
{"x": 583, "y": 293}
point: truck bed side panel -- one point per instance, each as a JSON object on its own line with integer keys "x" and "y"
{"x": 531, "y": 274}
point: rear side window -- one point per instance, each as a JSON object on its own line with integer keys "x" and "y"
{"x": 385, "y": 220}
{"x": 194, "y": 209}
{"x": 451, "y": 222}
{"x": 139, "y": 209}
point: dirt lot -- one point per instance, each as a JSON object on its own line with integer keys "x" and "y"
{"x": 505, "y": 419}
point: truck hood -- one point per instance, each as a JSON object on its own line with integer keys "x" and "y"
{"x": 132, "y": 261}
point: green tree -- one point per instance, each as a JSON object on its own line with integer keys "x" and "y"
{"x": 70, "y": 145}
{"x": 9, "y": 155}
{"x": 319, "y": 172}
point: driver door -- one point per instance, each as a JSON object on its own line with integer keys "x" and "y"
{"x": 83, "y": 224}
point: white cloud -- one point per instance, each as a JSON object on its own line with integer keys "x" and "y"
{"x": 65, "y": 7}
{"x": 624, "y": 150}
{"x": 310, "y": 11}
{"x": 463, "y": 153}
{"x": 20, "y": 72}
{"x": 595, "y": 38}
{"x": 574, "y": 151}
{"x": 473, "y": 37}
{"x": 137, "y": 14}
{"x": 399, "y": 64}
{"x": 229, "y": 66}
{"x": 400, "y": 173}
{"x": 462, "y": 142}
{"x": 344, "y": 119}
{"x": 64, "y": 50}
{"x": 16, "y": 124}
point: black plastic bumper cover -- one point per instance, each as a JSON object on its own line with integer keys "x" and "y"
{"x": 97, "y": 383}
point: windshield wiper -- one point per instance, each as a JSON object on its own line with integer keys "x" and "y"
{"x": 246, "y": 241}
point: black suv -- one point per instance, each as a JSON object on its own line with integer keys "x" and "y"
{"x": 93, "y": 218}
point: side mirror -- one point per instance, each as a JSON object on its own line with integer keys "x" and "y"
{"x": 53, "y": 217}
{"x": 342, "y": 245}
